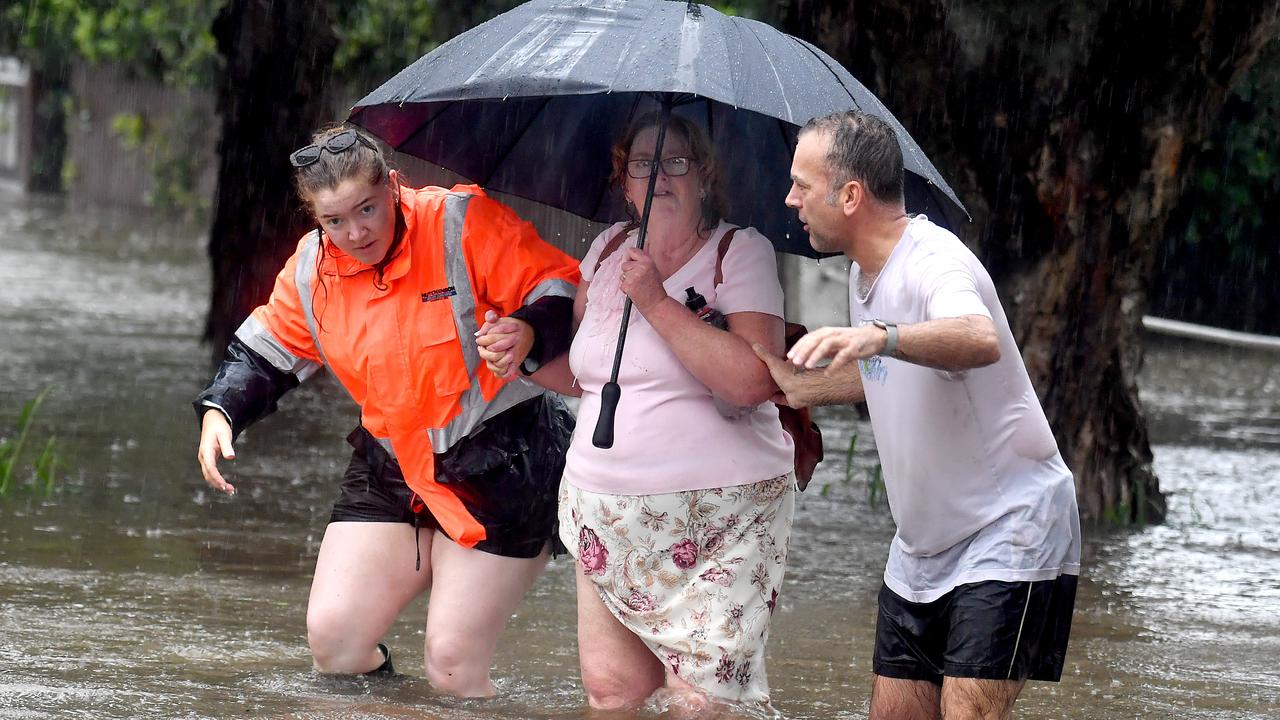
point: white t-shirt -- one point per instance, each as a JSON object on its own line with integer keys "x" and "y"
{"x": 668, "y": 434}
{"x": 974, "y": 478}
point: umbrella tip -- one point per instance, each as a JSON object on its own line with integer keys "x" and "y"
{"x": 693, "y": 9}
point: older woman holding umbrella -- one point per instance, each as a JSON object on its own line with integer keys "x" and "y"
{"x": 681, "y": 528}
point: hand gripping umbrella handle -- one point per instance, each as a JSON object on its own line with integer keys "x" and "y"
{"x": 612, "y": 392}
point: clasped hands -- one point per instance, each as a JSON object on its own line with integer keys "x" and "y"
{"x": 503, "y": 343}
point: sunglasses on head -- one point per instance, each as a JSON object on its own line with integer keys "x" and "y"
{"x": 336, "y": 143}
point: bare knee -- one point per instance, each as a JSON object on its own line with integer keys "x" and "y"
{"x": 615, "y": 679}
{"x": 333, "y": 650}
{"x": 608, "y": 690}
{"x": 457, "y": 667}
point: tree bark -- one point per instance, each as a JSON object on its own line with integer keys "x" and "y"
{"x": 49, "y": 90}
{"x": 1068, "y": 129}
{"x": 271, "y": 97}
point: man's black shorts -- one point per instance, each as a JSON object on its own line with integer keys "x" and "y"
{"x": 507, "y": 475}
{"x": 987, "y": 630}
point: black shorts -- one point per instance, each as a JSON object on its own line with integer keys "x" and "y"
{"x": 987, "y": 630}
{"x": 507, "y": 475}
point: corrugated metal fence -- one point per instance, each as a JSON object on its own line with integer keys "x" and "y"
{"x": 119, "y": 126}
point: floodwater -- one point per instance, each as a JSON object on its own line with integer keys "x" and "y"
{"x": 133, "y": 592}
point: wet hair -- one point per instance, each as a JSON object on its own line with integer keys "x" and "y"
{"x": 863, "y": 148}
{"x": 366, "y": 160}
{"x": 714, "y": 205}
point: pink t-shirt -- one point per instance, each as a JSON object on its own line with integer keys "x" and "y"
{"x": 668, "y": 434}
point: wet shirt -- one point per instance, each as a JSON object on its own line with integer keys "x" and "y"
{"x": 668, "y": 434}
{"x": 974, "y": 478}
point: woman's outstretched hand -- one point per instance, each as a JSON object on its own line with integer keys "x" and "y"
{"x": 503, "y": 343}
{"x": 215, "y": 440}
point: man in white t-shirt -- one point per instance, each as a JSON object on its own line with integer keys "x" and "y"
{"x": 981, "y": 577}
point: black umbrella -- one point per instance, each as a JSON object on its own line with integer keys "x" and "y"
{"x": 530, "y": 102}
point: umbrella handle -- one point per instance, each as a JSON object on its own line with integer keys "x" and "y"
{"x": 611, "y": 392}
{"x": 609, "y": 395}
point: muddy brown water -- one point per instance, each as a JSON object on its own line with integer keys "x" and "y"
{"x": 132, "y": 592}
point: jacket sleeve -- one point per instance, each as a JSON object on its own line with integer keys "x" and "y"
{"x": 551, "y": 317}
{"x": 522, "y": 276}
{"x": 272, "y": 352}
{"x": 245, "y": 388}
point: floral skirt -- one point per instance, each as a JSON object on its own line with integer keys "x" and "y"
{"x": 694, "y": 574}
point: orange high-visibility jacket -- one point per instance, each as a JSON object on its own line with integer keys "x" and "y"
{"x": 406, "y": 350}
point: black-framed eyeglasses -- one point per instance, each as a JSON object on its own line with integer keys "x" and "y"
{"x": 671, "y": 167}
{"x": 336, "y": 143}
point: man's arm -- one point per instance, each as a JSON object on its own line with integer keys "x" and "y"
{"x": 801, "y": 388}
{"x": 949, "y": 344}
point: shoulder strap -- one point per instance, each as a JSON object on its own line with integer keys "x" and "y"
{"x": 720, "y": 253}
{"x": 609, "y": 247}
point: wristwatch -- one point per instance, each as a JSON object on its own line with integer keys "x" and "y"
{"x": 890, "y": 343}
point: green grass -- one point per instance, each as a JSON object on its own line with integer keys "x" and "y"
{"x": 44, "y": 468}
{"x": 874, "y": 478}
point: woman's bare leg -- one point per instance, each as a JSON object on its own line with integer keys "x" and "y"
{"x": 473, "y": 595}
{"x": 364, "y": 577}
{"x": 618, "y": 669}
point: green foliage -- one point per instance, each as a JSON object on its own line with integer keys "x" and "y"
{"x": 45, "y": 467}
{"x": 131, "y": 128}
{"x": 743, "y": 8}
{"x": 171, "y": 40}
{"x": 1243, "y": 172}
{"x": 176, "y": 170}
{"x": 39, "y": 31}
{"x": 377, "y": 38}
{"x": 1217, "y": 263}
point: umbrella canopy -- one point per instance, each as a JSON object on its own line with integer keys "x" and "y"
{"x": 530, "y": 102}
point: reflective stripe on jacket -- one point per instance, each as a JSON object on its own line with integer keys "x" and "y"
{"x": 404, "y": 348}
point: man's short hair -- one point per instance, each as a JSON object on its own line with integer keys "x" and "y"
{"x": 863, "y": 148}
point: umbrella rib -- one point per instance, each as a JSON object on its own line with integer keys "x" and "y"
{"x": 812, "y": 51}
{"x": 764, "y": 52}
{"x": 512, "y": 145}
{"x": 424, "y": 125}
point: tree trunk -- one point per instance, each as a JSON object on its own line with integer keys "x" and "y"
{"x": 271, "y": 97}
{"x": 50, "y": 88}
{"x": 1068, "y": 129}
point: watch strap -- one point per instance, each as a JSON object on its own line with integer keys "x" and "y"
{"x": 891, "y": 337}
{"x": 891, "y": 342}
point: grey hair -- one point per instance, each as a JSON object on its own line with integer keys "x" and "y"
{"x": 863, "y": 148}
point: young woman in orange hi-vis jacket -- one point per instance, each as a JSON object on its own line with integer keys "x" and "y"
{"x": 452, "y": 485}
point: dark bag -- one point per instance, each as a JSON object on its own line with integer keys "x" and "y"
{"x": 798, "y": 422}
